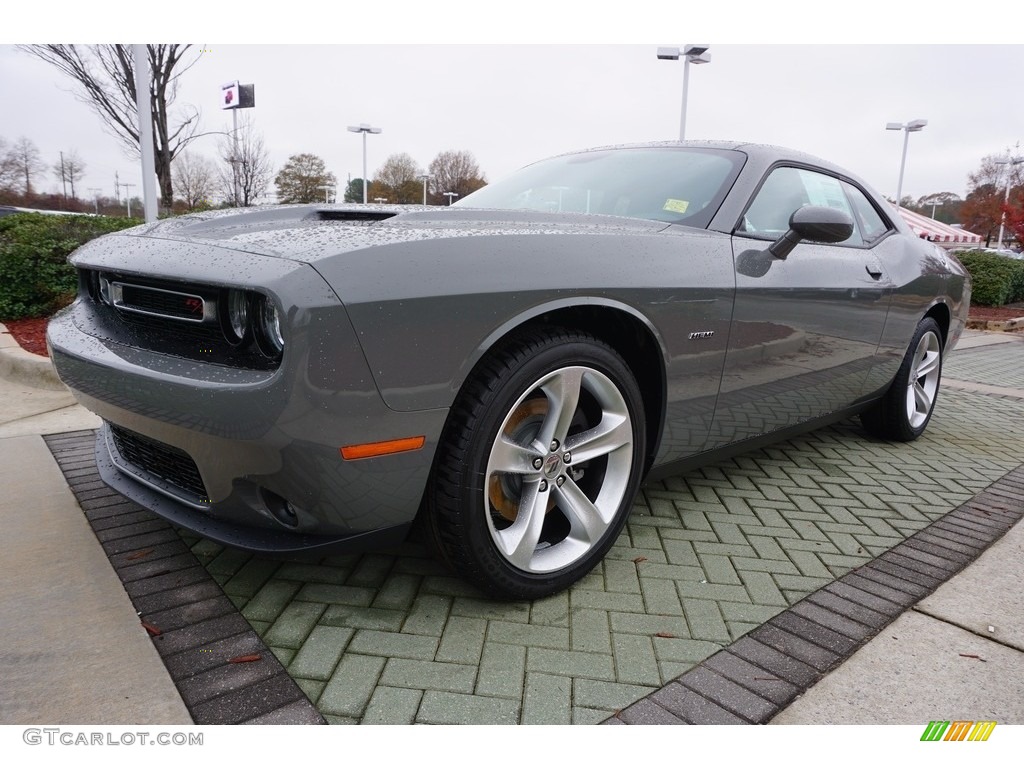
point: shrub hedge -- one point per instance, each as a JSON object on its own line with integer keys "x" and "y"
{"x": 996, "y": 280}
{"x": 35, "y": 277}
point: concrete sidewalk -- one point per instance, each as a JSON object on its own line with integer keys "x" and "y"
{"x": 72, "y": 648}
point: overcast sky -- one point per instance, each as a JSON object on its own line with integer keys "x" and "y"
{"x": 510, "y": 104}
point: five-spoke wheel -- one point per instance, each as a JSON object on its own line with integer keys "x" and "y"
{"x": 539, "y": 465}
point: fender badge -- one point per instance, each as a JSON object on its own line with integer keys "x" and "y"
{"x": 701, "y": 335}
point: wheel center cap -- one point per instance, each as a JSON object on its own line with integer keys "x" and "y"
{"x": 552, "y": 465}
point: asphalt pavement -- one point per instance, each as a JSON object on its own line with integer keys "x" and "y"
{"x": 73, "y": 648}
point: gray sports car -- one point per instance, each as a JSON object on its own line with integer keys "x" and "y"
{"x": 506, "y": 370}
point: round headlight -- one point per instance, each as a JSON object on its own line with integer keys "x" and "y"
{"x": 271, "y": 340}
{"x": 238, "y": 314}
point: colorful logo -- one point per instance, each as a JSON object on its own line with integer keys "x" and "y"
{"x": 958, "y": 730}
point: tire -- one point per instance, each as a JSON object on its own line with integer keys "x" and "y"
{"x": 526, "y": 496}
{"x": 906, "y": 408}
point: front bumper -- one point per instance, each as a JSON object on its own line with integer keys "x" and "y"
{"x": 264, "y": 444}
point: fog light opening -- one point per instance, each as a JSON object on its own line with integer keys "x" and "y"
{"x": 281, "y": 509}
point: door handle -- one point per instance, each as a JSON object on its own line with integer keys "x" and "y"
{"x": 875, "y": 270}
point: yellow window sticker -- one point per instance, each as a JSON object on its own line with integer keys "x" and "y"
{"x": 676, "y": 206}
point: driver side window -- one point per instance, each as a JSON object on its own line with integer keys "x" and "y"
{"x": 783, "y": 192}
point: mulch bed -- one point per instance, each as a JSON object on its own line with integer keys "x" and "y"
{"x": 31, "y": 333}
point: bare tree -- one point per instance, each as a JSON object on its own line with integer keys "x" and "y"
{"x": 194, "y": 179}
{"x": 397, "y": 179}
{"x": 69, "y": 169}
{"x": 8, "y": 168}
{"x": 255, "y": 170}
{"x": 105, "y": 78}
{"x": 454, "y": 171}
{"x": 26, "y": 162}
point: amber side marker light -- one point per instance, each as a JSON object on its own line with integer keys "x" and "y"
{"x": 383, "y": 448}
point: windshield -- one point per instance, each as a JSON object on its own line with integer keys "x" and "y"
{"x": 679, "y": 185}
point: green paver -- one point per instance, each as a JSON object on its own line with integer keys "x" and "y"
{"x": 571, "y": 663}
{"x": 351, "y": 686}
{"x": 392, "y": 706}
{"x": 590, "y": 631}
{"x": 462, "y": 641}
{"x": 705, "y": 619}
{"x": 271, "y": 600}
{"x": 514, "y": 633}
{"x": 393, "y": 644}
{"x": 428, "y": 616}
{"x": 294, "y": 624}
{"x": 458, "y": 709}
{"x": 336, "y": 593}
{"x": 596, "y": 694}
{"x": 248, "y": 579}
{"x": 635, "y": 661}
{"x": 501, "y": 670}
{"x": 320, "y": 653}
{"x": 429, "y": 675}
{"x": 547, "y": 700}
{"x": 363, "y": 618}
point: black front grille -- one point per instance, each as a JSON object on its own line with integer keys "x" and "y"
{"x": 176, "y": 304}
{"x": 166, "y": 462}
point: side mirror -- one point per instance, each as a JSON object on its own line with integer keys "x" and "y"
{"x": 815, "y": 223}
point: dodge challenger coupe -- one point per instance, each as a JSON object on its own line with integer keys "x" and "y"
{"x": 506, "y": 370}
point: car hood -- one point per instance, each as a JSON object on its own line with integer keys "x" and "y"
{"x": 310, "y": 233}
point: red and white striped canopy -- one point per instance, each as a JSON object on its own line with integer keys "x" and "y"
{"x": 936, "y": 231}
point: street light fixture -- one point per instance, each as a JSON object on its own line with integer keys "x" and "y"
{"x": 691, "y": 54}
{"x": 450, "y": 195}
{"x": 1010, "y": 161}
{"x": 912, "y": 127}
{"x": 933, "y": 202}
{"x": 425, "y": 177}
{"x": 364, "y": 128}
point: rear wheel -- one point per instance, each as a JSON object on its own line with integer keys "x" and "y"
{"x": 905, "y": 410}
{"x": 539, "y": 465}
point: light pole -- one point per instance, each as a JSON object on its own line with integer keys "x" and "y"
{"x": 912, "y": 127}
{"x": 450, "y": 195}
{"x": 425, "y": 177}
{"x": 1010, "y": 161}
{"x": 691, "y": 54}
{"x": 364, "y": 128}
{"x": 328, "y": 188}
{"x": 933, "y": 203}
{"x": 128, "y": 199}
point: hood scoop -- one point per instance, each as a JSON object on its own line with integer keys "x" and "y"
{"x": 364, "y": 218}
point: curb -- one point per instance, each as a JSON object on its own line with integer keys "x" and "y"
{"x": 996, "y": 325}
{"x": 23, "y": 367}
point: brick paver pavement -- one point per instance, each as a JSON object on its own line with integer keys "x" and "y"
{"x": 707, "y": 557}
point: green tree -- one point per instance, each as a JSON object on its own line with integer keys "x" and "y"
{"x": 354, "y": 191}
{"x": 302, "y": 178}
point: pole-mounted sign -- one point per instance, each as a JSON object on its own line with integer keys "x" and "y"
{"x": 235, "y": 96}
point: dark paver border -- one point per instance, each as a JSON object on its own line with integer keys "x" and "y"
{"x": 202, "y": 636}
{"x": 757, "y": 676}
{"x": 750, "y": 681}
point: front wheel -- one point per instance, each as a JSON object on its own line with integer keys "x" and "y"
{"x": 539, "y": 465}
{"x": 905, "y": 410}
